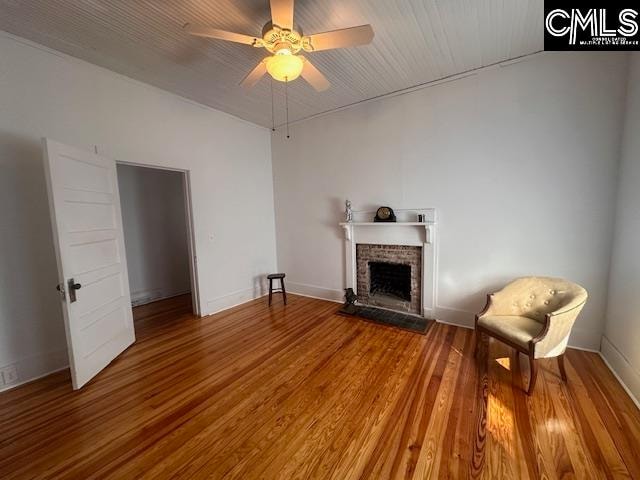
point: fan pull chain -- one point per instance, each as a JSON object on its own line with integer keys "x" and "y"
{"x": 286, "y": 102}
{"x": 273, "y": 115}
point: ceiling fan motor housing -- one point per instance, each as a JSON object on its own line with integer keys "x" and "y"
{"x": 276, "y": 39}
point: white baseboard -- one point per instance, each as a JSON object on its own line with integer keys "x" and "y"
{"x": 624, "y": 372}
{"x": 38, "y": 366}
{"x": 232, "y": 299}
{"x": 590, "y": 350}
{"x": 149, "y": 296}
{"x": 454, "y": 324}
{"x": 314, "y": 291}
{"x": 455, "y": 317}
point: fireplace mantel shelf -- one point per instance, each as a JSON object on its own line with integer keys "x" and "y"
{"x": 428, "y": 227}
{"x": 387, "y": 224}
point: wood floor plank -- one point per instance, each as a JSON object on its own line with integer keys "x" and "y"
{"x": 479, "y": 420}
{"x": 550, "y": 441}
{"x": 389, "y": 436}
{"x": 356, "y": 432}
{"x": 531, "y": 456}
{"x": 566, "y": 425}
{"x": 424, "y": 400}
{"x": 503, "y": 457}
{"x": 225, "y": 415}
{"x": 601, "y": 446}
{"x": 623, "y": 426}
{"x": 298, "y": 391}
{"x": 457, "y": 437}
{"x": 304, "y": 438}
{"x": 427, "y": 461}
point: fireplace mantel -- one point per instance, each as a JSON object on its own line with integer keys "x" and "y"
{"x": 428, "y": 226}
{"x": 403, "y": 232}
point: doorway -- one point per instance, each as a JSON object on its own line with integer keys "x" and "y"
{"x": 156, "y": 218}
{"x": 89, "y": 243}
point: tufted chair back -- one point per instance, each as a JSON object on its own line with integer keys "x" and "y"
{"x": 535, "y": 297}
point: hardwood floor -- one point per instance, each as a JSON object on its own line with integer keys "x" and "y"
{"x": 300, "y": 392}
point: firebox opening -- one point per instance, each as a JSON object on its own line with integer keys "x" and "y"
{"x": 390, "y": 279}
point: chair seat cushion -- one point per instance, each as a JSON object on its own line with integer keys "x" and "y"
{"x": 275, "y": 275}
{"x": 519, "y": 330}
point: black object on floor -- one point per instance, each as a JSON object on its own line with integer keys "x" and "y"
{"x": 277, "y": 276}
{"x": 388, "y": 317}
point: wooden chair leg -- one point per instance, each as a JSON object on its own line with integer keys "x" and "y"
{"x": 516, "y": 361}
{"x": 478, "y": 340}
{"x": 284, "y": 292}
{"x": 270, "y": 291}
{"x": 534, "y": 374}
{"x": 563, "y": 372}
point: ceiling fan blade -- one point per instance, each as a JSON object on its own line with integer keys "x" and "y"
{"x": 315, "y": 78}
{"x": 254, "y": 75}
{"x": 345, "y": 37}
{"x": 282, "y": 13}
{"x": 202, "y": 31}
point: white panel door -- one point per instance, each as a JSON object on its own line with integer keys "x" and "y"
{"x": 92, "y": 268}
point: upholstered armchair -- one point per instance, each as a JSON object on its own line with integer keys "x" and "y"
{"x": 534, "y": 315}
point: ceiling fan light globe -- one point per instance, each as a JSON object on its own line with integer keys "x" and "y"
{"x": 284, "y": 68}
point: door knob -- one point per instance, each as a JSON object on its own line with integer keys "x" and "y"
{"x": 73, "y": 286}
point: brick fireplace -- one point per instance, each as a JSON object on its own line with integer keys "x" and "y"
{"x": 390, "y": 276}
{"x": 401, "y": 257}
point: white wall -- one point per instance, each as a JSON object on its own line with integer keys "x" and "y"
{"x": 155, "y": 232}
{"x": 519, "y": 161}
{"x": 44, "y": 93}
{"x": 621, "y": 342}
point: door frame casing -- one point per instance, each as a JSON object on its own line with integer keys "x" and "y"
{"x": 191, "y": 244}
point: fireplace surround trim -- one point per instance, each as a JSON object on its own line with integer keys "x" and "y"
{"x": 401, "y": 233}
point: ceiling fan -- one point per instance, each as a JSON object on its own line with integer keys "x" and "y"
{"x": 284, "y": 43}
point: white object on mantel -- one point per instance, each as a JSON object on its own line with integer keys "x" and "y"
{"x": 420, "y": 234}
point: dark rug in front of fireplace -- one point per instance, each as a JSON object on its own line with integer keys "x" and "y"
{"x": 405, "y": 321}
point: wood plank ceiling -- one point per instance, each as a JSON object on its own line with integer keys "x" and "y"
{"x": 416, "y": 41}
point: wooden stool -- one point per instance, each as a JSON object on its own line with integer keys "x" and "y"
{"x": 271, "y": 278}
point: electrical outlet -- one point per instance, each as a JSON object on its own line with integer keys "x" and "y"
{"x": 9, "y": 374}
